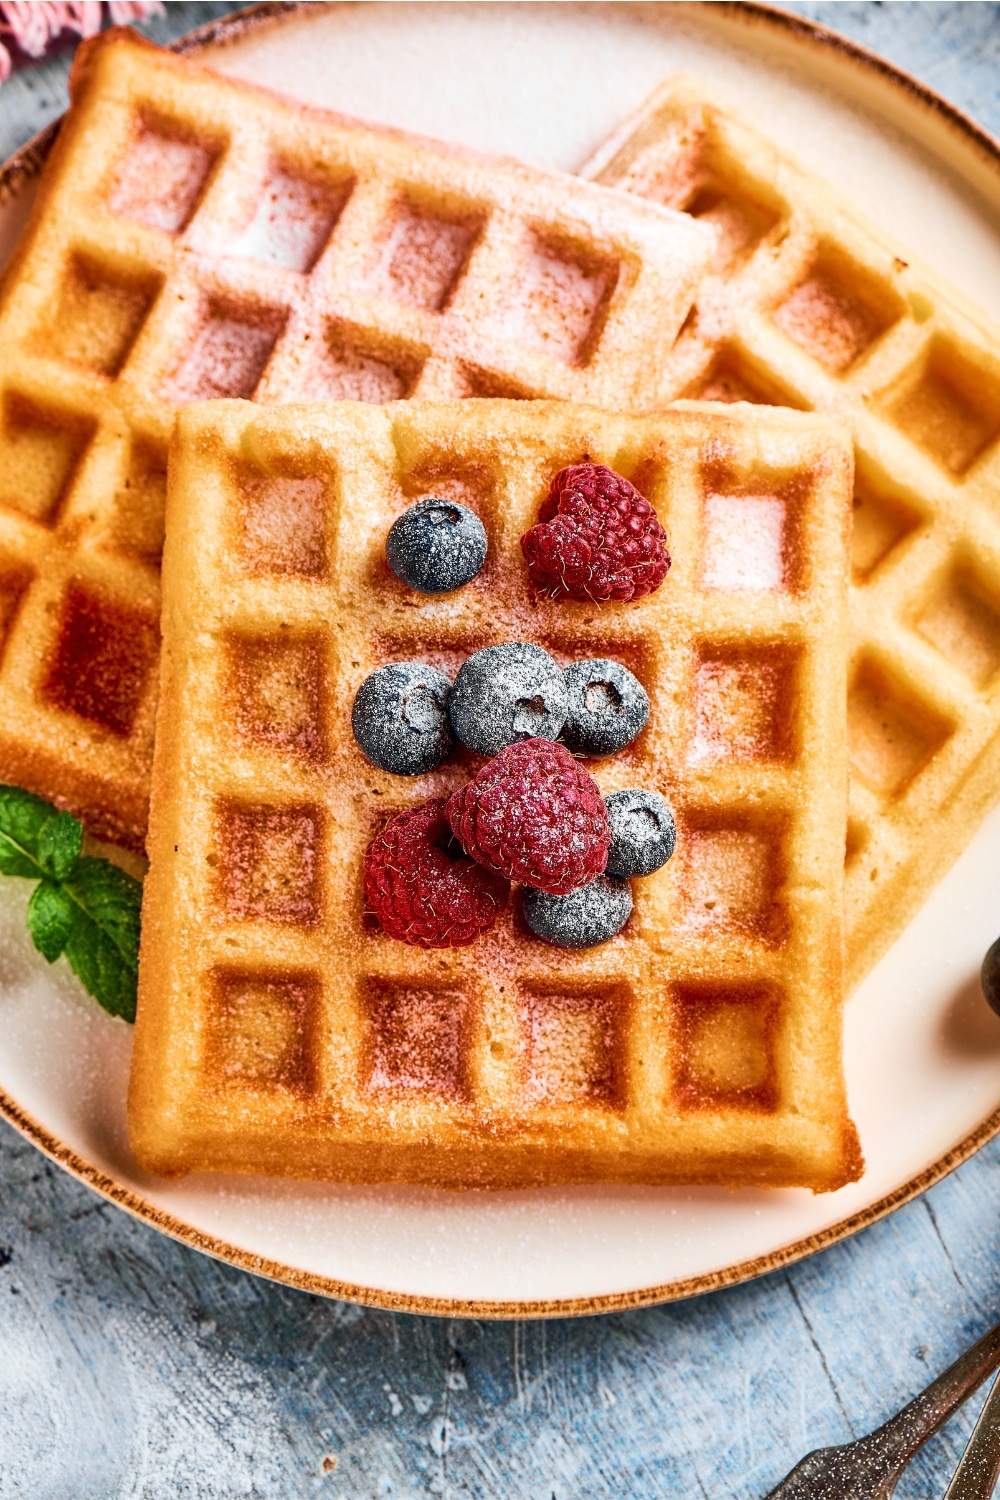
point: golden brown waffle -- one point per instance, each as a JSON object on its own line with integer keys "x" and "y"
{"x": 195, "y": 237}
{"x": 810, "y": 306}
{"x": 279, "y": 1030}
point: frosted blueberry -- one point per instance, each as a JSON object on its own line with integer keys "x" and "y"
{"x": 436, "y": 546}
{"x": 507, "y": 693}
{"x": 400, "y": 717}
{"x": 607, "y": 707}
{"x": 584, "y": 918}
{"x": 643, "y": 832}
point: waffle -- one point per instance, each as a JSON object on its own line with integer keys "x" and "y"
{"x": 810, "y": 306}
{"x": 196, "y": 237}
{"x": 279, "y": 1030}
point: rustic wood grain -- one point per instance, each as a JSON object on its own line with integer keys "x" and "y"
{"x": 133, "y": 1367}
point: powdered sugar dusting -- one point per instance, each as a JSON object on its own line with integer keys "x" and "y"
{"x": 744, "y": 544}
{"x": 160, "y": 180}
{"x": 568, "y": 1049}
{"x": 422, "y": 259}
{"x": 737, "y": 703}
{"x": 558, "y": 304}
{"x": 348, "y": 373}
{"x": 728, "y": 880}
{"x": 226, "y": 358}
{"x": 283, "y": 524}
{"x": 292, "y": 222}
{"x": 417, "y": 1041}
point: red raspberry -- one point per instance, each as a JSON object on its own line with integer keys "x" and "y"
{"x": 534, "y": 815}
{"x": 420, "y": 895}
{"x": 596, "y": 538}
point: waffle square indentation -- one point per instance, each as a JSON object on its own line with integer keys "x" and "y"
{"x": 731, "y": 377}
{"x": 40, "y": 450}
{"x": 575, "y": 1046}
{"x": 281, "y": 523}
{"x": 881, "y": 521}
{"x": 838, "y": 310}
{"x": 276, "y": 688}
{"x": 103, "y": 660}
{"x": 416, "y": 1040}
{"x": 962, "y": 620}
{"x": 740, "y": 221}
{"x": 726, "y": 1038}
{"x": 488, "y": 386}
{"x": 732, "y": 874}
{"x": 697, "y": 178}
{"x": 137, "y": 519}
{"x": 227, "y": 355}
{"x": 424, "y": 255}
{"x": 160, "y": 179}
{"x": 949, "y": 406}
{"x": 98, "y": 316}
{"x": 355, "y": 365}
{"x": 749, "y": 542}
{"x": 745, "y": 700}
{"x": 561, "y": 300}
{"x": 891, "y": 731}
{"x": 268, "y": 862}
{"x": 259, "y": 1028}
{"x": 293, "y": 220}
{"x": 15, "y": 581}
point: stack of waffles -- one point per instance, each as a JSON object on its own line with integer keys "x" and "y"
{"x": 196, "y": 238}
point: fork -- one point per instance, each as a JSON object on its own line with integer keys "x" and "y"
{"x": 869, "y": 1468}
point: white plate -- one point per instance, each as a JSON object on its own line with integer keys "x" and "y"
{"x": 923, "y": 1053}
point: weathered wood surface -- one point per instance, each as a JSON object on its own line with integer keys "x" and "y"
{"x": 132, "y": 1367}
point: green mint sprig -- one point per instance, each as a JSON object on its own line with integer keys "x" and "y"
{"x": 87, "y": 908}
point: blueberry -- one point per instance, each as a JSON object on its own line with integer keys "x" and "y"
{"x": 643, "y": 832}
{"x": 400, "y": 717}
{"x": 990, "y": 977}
{"x": 436, "y": 546}
{"x": 582, "y": 919}
{"x": 607, "y": 707}
{"x": 507, "y": 693}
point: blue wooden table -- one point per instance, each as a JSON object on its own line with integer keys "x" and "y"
{"x": 131, "y": 1367}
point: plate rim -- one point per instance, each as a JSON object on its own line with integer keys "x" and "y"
{"x": 27, "y": 163}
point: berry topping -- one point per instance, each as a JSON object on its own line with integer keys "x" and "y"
{"x": 422, "y": 895}
{"x": 507, "y": 693}
{"x": 582, "y": 919}
{"x": 400, "y": 718}
{"x": 436, "y": 546}
{"x": 643, "y": 832}
{"x": 534, "y": 815}
{"x": 607, "y": 707}
{"x": 990, "y": 976}
{"x": 597, "y": 538}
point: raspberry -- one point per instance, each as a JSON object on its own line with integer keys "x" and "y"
{"x": 596, "y": 538}
{"x": 534, "y": 815}
{"x": 418, "y": 893}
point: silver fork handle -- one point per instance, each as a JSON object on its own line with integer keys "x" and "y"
{"x": 977, "y": 1473}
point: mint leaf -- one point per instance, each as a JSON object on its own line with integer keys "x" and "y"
{"x": 59, "y": 844}
{"x": 97, "y": 963}
{"x": 51, "y": 912}
{"x": 103, "y": 941}
{"x": 86, "y": 908}
{"x": 22, "y": 818}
